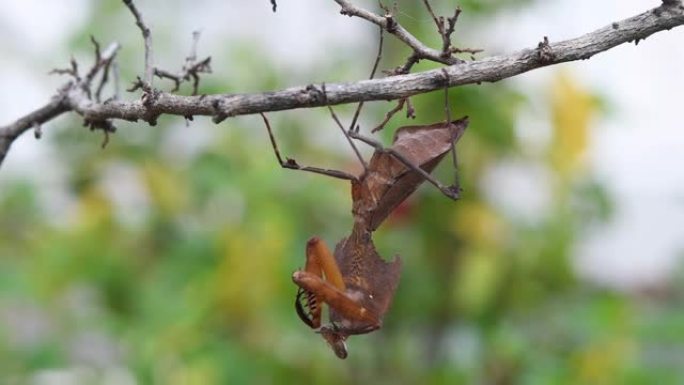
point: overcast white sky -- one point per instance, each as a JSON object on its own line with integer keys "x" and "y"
{"x": 636, "y": 151}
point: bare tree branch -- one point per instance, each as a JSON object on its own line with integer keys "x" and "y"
{"x": 60, "y": 103}
{"x": 220, "y": 106}
{"x": 9, "y": 133}
{"x": 490, "y": 69}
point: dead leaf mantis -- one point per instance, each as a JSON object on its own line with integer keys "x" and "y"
{"x": 355, "y": 282}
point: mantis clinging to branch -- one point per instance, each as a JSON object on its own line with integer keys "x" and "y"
{"x": 355, "y": 282}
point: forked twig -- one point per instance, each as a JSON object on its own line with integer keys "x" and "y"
{"x": 444, "y": 27}
{"x": 405, "y": 68}
{"x": 73, "y": 71}
{"x": 190, "y": 70}
{"x": 410, "y": 113}
{"x": 390, "y": 24}
{"x": 103, "y": 61}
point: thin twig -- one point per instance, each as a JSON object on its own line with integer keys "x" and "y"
{"x": 187, "y": 73}
{"x": 103, "y": 80}
{"x": 147, "y": 37}
{"x": 193, "y": 48}
{"x": 405, "y": 68}
{"x": 450, "y": 29}
{"x": 389, "y": 115}
{"x": 103, "y": 61}
{"x": 117, "y": 80}
{"x": 471, "y": 51}
{"x": 445, "y": 28}
{"x": 72, "y": 71}
{"x": 434, "y": 17}
{"x": 96, "y": 61}
{"x": 191, "y": 70}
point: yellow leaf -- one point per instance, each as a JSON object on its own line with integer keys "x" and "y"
{"x": 94, "y": 209}
{"x": 249, "y": 277}
{"x": 599, "y": 362}
{"x": 478, "y": 278}
{"x": 166, "y": 188}
{"x": 572, "y": 108}
{"x": 479, "y": 224}
{"x": 193, "y": 373}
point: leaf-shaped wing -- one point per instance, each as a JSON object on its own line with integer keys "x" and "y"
{"x": 388, "y": 181}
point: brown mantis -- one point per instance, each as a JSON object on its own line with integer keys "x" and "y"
{"x": 355, "y": 282}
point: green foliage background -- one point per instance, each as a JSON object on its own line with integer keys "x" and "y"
{"x": 192, "y": 285}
